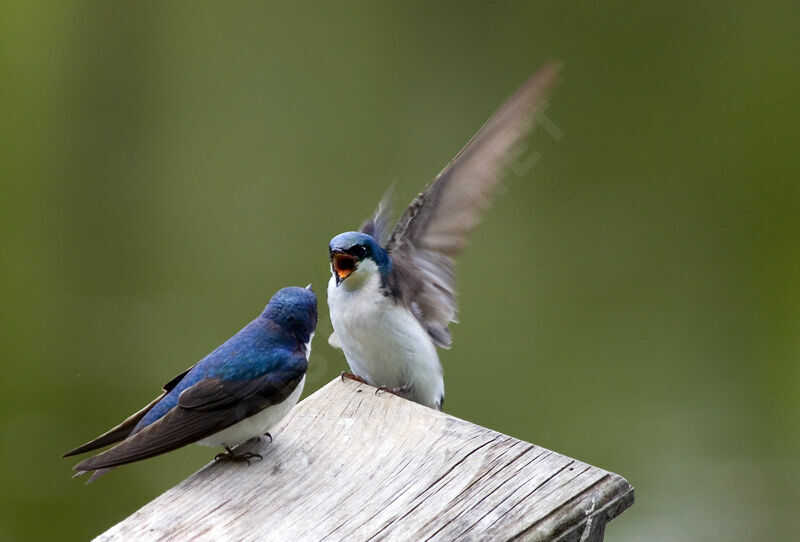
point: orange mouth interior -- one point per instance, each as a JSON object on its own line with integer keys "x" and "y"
{"x": 343, "y": 264}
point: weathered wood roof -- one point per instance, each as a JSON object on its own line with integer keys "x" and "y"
{"x": 350, "y": 464}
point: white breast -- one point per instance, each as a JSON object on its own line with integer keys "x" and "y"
{"x": 383, "y": 342}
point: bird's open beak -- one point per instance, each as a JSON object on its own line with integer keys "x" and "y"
{"x": 342, "y": 265}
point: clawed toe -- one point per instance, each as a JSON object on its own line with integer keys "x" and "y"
{"x": 393, "y": 391}
{"x": 400, "y": 392}
{"x": 352, "y": 376}
{"x": 230, "y": 455}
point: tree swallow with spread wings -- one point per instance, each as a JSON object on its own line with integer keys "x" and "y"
{"x": 237, "y": 392}
{"x": 392, "y": 296}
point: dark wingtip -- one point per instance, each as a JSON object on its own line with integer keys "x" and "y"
{"x": 99, "y": 442}
{"x": 78, "y": 450}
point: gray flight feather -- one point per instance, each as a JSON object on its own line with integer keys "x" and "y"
{"x": 434, "y": 228}
{"x": 378, "y": 225}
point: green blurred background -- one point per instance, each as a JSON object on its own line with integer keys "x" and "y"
{"x": 631, "y": 301}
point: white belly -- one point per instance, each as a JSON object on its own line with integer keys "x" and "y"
{"x": 257, "y": 424}
{"x": 384, "y": 343}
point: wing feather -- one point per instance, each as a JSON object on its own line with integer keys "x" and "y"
{"x": 203, "y": 409}
{"x": 121, "y": 431}
{"x": 435, "y": 227}
{"x": 378, "y": 225}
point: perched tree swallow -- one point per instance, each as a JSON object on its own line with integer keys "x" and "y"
{"x": 237, "y": 392}
{"x": 392, "y": 296}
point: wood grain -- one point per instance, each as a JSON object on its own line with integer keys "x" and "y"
{"x": 350, "y": 464}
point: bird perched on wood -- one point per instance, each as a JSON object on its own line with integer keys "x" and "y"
{"x": 392, "y": 295}
{"x": 237, "y": 392}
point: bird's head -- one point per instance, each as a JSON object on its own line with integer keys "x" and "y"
{"x": 295, "y": 310}
{"x": 358, "y": 255}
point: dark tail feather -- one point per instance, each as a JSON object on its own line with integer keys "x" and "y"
{"x": 95, "y": 475}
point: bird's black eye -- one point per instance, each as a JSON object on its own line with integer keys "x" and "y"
{"x": 359, "y": 251}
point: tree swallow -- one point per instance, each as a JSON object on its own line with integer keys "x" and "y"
{"x": 237, "y": 392}
{"x": 392, "y": 296}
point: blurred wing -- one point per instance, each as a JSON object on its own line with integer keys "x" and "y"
{"x": 377, "y": 227}
{"x": 124, "y": 429}
{"x": 209, "y": 406}
{"x": 434, "y": 228}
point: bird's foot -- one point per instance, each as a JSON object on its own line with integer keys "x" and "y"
{"x": 230, "y": 455}
{"x": 400, "y": 392}
{"x": 268, "y": 436}
{"x": 352, "y": 376}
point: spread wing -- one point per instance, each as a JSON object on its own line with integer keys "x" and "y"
{"x": 434, "y": 228}
{"x": 121, "y": 431}
{"x": 203, "y": 409}
{"x": 377, "y": 227}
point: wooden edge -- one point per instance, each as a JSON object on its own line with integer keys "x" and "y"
{"x": 592, "y": 526}
{"x": 614, "y": 493}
